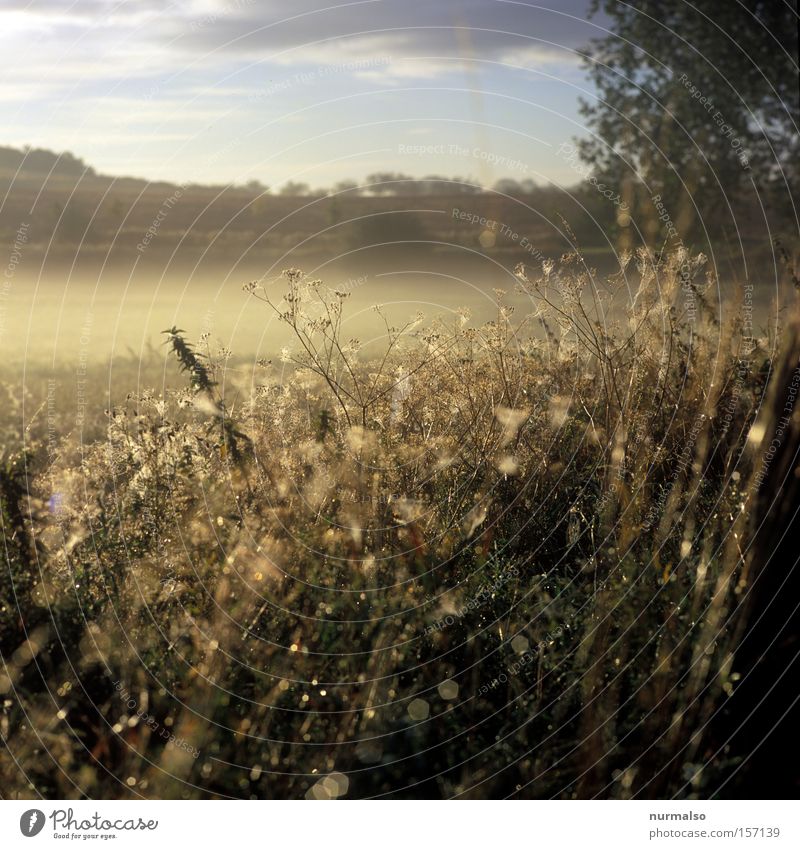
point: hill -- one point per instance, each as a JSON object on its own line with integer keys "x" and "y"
{"x": 74, "y": 215}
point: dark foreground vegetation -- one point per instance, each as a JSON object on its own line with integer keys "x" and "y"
{"x": 537, "y": 558}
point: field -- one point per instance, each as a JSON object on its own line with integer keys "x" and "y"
{"x": 457, "y": 558}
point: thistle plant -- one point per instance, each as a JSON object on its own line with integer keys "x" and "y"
{"x": 203, "y": 385}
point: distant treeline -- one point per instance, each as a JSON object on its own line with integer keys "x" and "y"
{"x": 40, "y": 161}
{"x": 70, "y": 210}
{"x": 24, "y": 162}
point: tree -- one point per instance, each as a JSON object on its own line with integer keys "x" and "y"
{"x": 694, "y": 101}
{"x": 507, "y": 186}
{"x": 256, "y": 186}
{"x": 435, "y": 184}
{"x": 390, "y": 183}
{"x": 293, "y": 189}
{"x": 349, "y": 186}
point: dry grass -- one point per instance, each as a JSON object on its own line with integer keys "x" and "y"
{"x": 473, "y": 561}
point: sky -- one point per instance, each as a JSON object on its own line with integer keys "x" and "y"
{"x": 219, "y": 91}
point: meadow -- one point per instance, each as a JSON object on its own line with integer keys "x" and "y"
{"x": 452, "y": 558}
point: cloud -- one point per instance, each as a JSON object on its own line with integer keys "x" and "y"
{"x": 152, "y": 71}
{"x": 316, "y": 33}
{"x": 105, "y": 42}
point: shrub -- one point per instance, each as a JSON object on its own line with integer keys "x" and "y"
{"x": 482, "y": 561}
